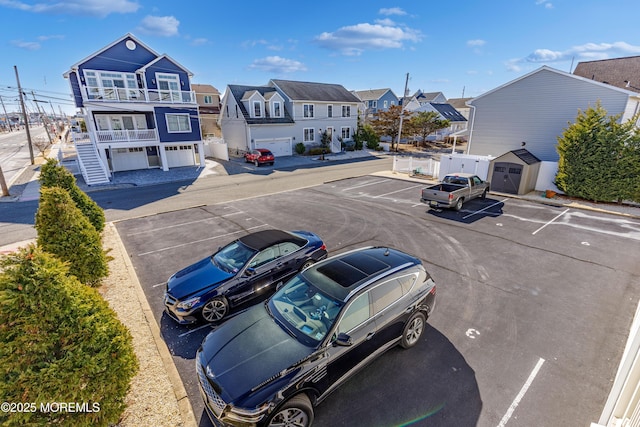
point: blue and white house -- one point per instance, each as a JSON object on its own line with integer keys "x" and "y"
{"x": 376, "y": 100}
{"x": 139, "y": 108}
{"x": 283, "y": 113}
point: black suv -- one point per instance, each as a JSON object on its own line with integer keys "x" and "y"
{"x": 271, "y": 364}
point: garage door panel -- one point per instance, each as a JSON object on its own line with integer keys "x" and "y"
{"x": 279, "y": 147}
{"x": 180, "y": 155}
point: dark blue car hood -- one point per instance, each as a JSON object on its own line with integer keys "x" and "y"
{"x": 203, "y": 274}
{"x": 248, "y": 350}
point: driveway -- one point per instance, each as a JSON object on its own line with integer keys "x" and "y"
{"x": 534, "y": 301}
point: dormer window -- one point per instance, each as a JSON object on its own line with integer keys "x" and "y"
{"x": 277, "y": 109}
{"x": 257, "y": 109}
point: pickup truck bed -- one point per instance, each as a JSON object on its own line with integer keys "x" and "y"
{"x": 454, "y": 190}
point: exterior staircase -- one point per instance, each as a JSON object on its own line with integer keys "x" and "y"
{"x": 92, "y": 168}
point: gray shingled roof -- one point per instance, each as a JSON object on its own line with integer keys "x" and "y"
{"x": 308, "y": 91}
{"x": 371, "y": 94}
{"x": 526, "y": 156}
{"x": 619, "y": 72}
{"x": 448, "y": 112}
{"x": 238, "y": 92}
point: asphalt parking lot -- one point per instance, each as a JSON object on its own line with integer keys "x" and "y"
{"x": 534, "y": 301}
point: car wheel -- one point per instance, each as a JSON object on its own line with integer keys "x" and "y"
{"x": 215, "y": 309}
{"x": 255, "y": 162}
{"x": 458, "y": 205}
{"x": 484, "y": 194}
{"x": 413, "y": 330}
{"x": 297, "y": 412}
{"x": 271, "y": 163}
{"x": 307, "y": 263}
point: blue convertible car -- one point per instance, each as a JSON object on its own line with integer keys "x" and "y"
{"x": 246, "y": 268}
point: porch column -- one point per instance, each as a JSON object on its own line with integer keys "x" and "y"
{"x": 163, "y": 158}
{"x": 201, "y": 153}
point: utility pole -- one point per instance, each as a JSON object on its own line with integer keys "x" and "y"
{"x": 406, "y": 88}
{"x": 3, "y": 184}
{"x": 26, "y": 119}
{"x": 5, "y": 114}
{"x": 42, "y": 117}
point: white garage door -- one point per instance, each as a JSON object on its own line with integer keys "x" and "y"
{"x": 279, "y": 147}
{"x": 179, "y": 155}
{"x": 127, "y": 159}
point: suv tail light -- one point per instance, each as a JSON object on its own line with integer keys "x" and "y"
{"x": 323, "y": 247}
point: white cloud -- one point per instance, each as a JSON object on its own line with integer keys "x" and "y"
{"x": 392, "y": 11}
{"x": 277, "y": 65}
{"x": 166, "y": 26}
{"x": 26, "y": 45}
{"x": 585, "y": 52}
{"x": 546, "y": 3}
{"x": 54, "y": 37}
{"x": 199, "y": 41}
{"x": 476, "y": 43}
{"x": 355, "y": 39}
{"x": 98, "y": 8}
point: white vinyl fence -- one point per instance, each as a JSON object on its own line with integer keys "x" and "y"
{"x": 416, "y": 166}
{"x": 216, "y": 147}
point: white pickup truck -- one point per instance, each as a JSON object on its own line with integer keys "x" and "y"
{"x": 454, "y": 190}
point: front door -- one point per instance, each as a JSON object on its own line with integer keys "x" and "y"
{"x": 357, "y": 322}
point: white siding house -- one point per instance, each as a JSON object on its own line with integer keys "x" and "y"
{"x": 284, "y": 113}
{"x": 533, "y": 111}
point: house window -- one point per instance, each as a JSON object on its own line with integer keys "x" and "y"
{"x": 168, "y": 87}
{"x": 346, "y": 111}
{"x": 307, "y": 110}
{"x": 385, "y": 104}
{"x": 374, "y": 104}
{"x": 110, "y": 85}
{"x": 393, "y": 103}
{"x": 208, "y": 99}
{"x": 329, "y": 110}
{"x": 277, "y": 112}
{"x": 309, "y": 134}
{"x": 346, "y": 133}
{"x": 257, "y": 109}
{"x": 178, "y": 123}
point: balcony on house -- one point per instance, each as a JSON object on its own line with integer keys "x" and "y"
{"x": 101, "y": 94}
{"x": 124, "y": 135}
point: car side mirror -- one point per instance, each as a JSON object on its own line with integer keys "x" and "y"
{"x": 250, "y": 272}
{"x": 343, "y": 340}
{"x": 279, "y": 285}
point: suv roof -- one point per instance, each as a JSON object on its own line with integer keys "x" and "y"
{"x": 342, "y": 275}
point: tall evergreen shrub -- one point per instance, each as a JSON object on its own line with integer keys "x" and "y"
{"x": 54, "y": 175}
{"x": 599, "y": 157}
{"x": 66, "y": 233}
{"x": 61, "y": 343}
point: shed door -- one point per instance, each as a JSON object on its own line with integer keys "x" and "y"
{"x": 506, "y": 177}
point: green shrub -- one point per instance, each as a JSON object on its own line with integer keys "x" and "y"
{"x": 66, "y": 233}
{"x": 300, "y": 148}
{"x": 316, "y": 151}
{"x": 53, "y": 175}
{"x": 60, "y": 343}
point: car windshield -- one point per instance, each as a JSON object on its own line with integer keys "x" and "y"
{"x": 233, "y": 257}
{"x": 304, "y": 310}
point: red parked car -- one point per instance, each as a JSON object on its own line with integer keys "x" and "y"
{"x": 259, "y": 156}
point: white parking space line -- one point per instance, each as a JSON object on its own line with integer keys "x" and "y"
{"x": 199, "y": 241}
{"x": 159, "y": 284}
{"x": 365, "y": 184}
{"x": 398, "y": 191}
{"x": 193, "y": 330}
{"x": 484, "y": 209}
{"x": 557, "y": 216}
{"x": 182, "y": 224}
{"x": 521, "y": 394}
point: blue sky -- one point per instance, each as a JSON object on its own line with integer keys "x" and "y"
{"x": 451, "y": 47}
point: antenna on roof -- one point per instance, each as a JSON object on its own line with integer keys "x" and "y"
{"x": 571, "y": 67}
